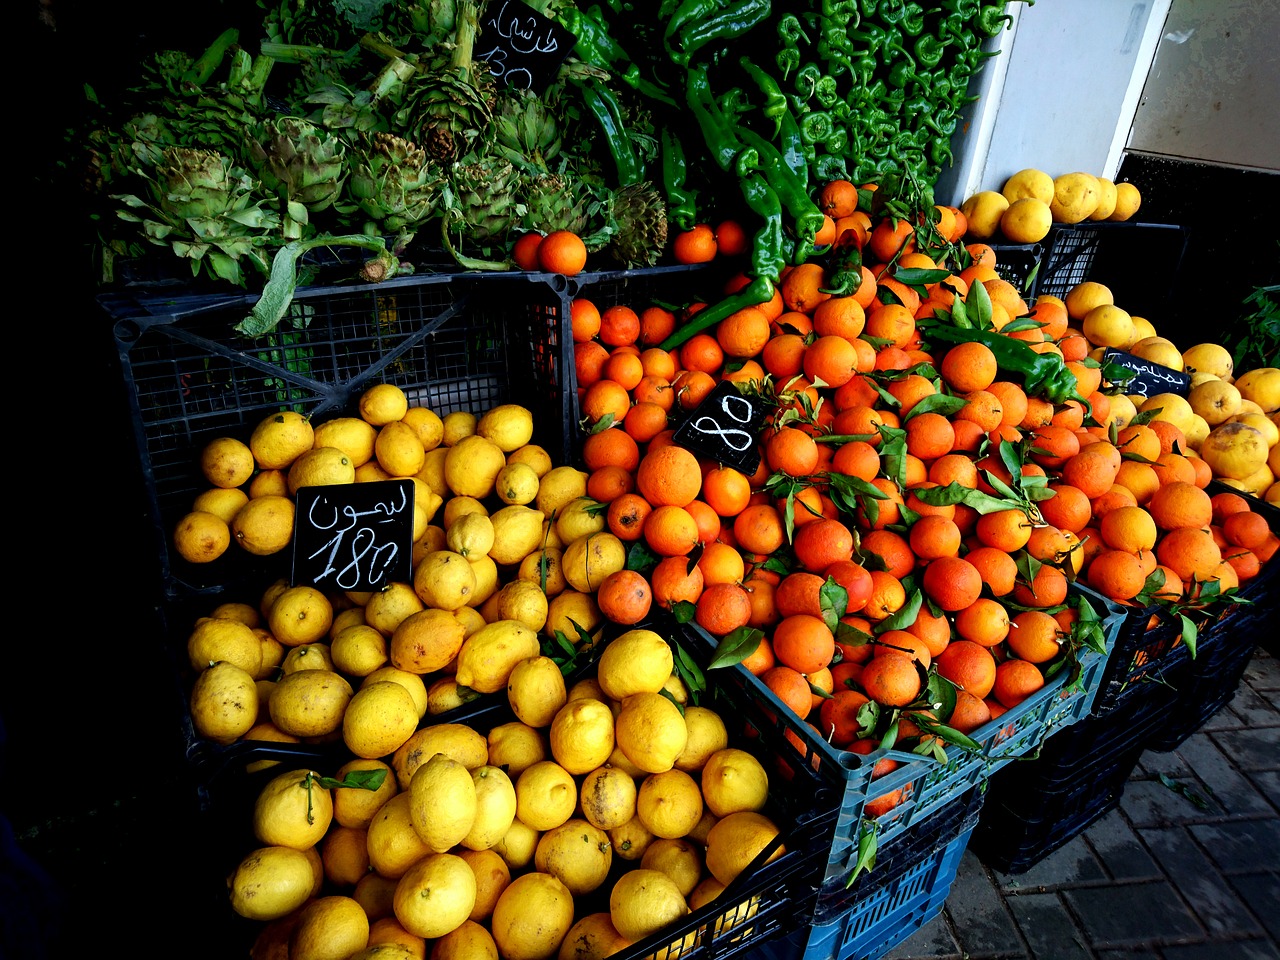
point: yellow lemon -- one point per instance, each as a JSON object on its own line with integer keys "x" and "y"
{"x": 472, "y": 465}
{"x": 215, "y": 639}
{"x": 650, "y": 731}
{"x": 1215, "y": 400}
{"x": 331, "y": 926}
{"x": 523, "y": 601}
{"x": 379, "y": 718}
{"x": 1172, "y": 407}
{"x": 428, "y": 424}
{"x": 442, "y": 802}
{"x": 227, "y": 462}
{"x": 435, "y": 895}
{"x": 534, "y": 456}
{"x": 1234, "y": 450}
{"x": 631, "y": 839}
{"x": 517, "y": 483}
{"x": 574, "y": 614}
{"x": 223, "y": 703}
{"x": 679, "y": 859}
{"x": 669, "y": 804}
{"x": 734, "y": 780}
{"x": 302, "y": 614}
{"x": 516, "y": 746}
{"x": 1075, "y": 196}
{"x": 1128, "y": 200}
{"x": 517, "y": 845}
{"x": 588, "y": 560}
{"x": 455, "y": 740}
{"x": 394, "y": 845}
{"x": 446, "y": 694}
{"x": 532, "y": 917}
{"x": 457, "y": 425}
{"x": 637, "y": 661}
{"x": 488, "y": 656}
{"x": 358, "y": 650}
{"x": 983, "y": 211}
{"x": 471, "y": 941}
{"x": 426, "y": 641}
{"x": 1027, "y": 220}
{"x": 1262, "y": 386}
{"x": 269, "y": 483}
{"x": 492, "y": 876}
{"x": 271, "y": 882}
{"x": 642, "y": 902}
{"x": 310, "y": 703}
{"x": 470, "y": 534}
{"x": 1142, "y": 329}
{"x": 1208, "y": 358}
{"x": 444, "y": 579}
{"x": 399, "y": 450}
{"x": 410, "y": 681}
{"x": 306, "y": 656}
{"x": 356, "y": 806}
{"x": 376, "y": 893}
{"x": 223, "y": 503}
{"x": 558, "y": 486}
{"x": 517, "y": 532}
{"x": 1086, "y": 295}
{"x": 735, "y": 841}
{"x": 383, "y": 403}
{"x": 1028, "y": 183}
{"x": 545, "y": 795}
{"x": 1122, "y": 411}
{"x": 495, "y": 807}
{"x": 1107, "y": 325}
{"x": 581, "y": 735}
{"x": 354, "y": 436}
{"x": 509, "y": 425}
{"x": 280, "y": 438}
{"x": 1263, "y": 424}
{"x": 536, "y": 690}
{"x": 1158, "y": 350}
{"x": 264, "y": 525}
{"x": 292, "y": 810}
{"x": 593, "y": 937}
{"x": 1107, "y": 197}
{"x": 577, "y": 854}
{"x": 608, "y": 797}
{"x": 371, "y": 472}
{"x": 708, "y": 889}
{"x": 487, "y": 579}
{"x": 707, "y": 734}
{"x": 201, "y": 536}
{"x": 542, "y": 567}
{"x": 580, "y": 517}
{"x": 432, "y": 471}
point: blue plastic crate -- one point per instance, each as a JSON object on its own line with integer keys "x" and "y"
{"x": 924, "y": 785}
{"x": 906, "y": 889}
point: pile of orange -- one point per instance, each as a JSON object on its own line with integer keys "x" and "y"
{"x": 857, "y": 398}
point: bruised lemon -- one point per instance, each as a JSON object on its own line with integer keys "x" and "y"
{"x": 488, "y": 656}
{"x": 227, "y": 462}
{"x": 280, "y": 438}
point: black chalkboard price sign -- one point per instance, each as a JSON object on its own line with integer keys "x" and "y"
{"x": 1149, "y": 378}
{"x": 520, "y": 46}
{"x": 724, "y": 427}
{"x": 354, "y": 536}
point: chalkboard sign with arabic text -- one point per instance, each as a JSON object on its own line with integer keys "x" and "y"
{"x": 1149, "y": 378}
{"x": 724, "y": 427}
{"x": 520, "y": 46}
{"x": 354, "y": 536}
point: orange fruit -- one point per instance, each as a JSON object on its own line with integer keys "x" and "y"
{"x": 668, "y": 475}
{"x": 891, "y": 679}
{"x": 722, "y": 608}
{"x": 953, "y": 583}
{"x": 624, "y": 596}
{"x": 970, "y": 666}
{"x": 695, "y": 245}
{"x": 1015, "y": 681}
{"x": 804, "y": 642}
{"x": 562, "y": 251}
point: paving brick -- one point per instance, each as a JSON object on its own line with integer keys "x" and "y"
{"x": 1267, "y": 784}
{"x": 1213, "y": 767}
{"x": 1201, "y": 885}
{"x": 1130, "y": 953}
{"x": 1236, "y": 845}
{"x": 1048, "y": 927}
{"x": 933, "y": 941}
{"x": 1252, "y": 709}
{"x": 1071, "y": 863}
{"x": 1152, "y": 763}
{"x": 1257, "y": 748}
{"x": 1118, "y": 848}
{"x": 1220, "y": 950}
{"x": 1149, "y": 803}
{"x": 1261, "y": 893}
{"x": 979, "y": 916}
{"x": 1263, "y": 671}
{"x": 1132, "y": 913}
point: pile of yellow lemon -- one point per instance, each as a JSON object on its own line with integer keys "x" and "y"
{"x": 471, "y": 842}
{"x": 1031, "y": 202}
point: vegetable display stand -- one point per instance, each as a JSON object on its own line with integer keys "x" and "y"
{"x": 1044, "y": 800}
{"x": 906, "y": 888}
{"x": 1106, "y": 252}
{"x": 923, "y": 786}
{"x": 770, "y": 899}
{"x": 1152, "y": 661}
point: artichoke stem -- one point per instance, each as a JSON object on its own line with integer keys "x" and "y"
{"x": 210, "y": 60}
{"x": 465, "y": 38}
{"x": 471, "y": 263}
{"x": 377, "y": 43}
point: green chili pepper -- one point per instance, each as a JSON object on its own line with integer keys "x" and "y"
{"x": 787, "y": 59}
{"x": 912, "y": 23}
{"x": 682, "y": 208}
{"x": 719, "y": 136}
{"x": 816, "y": 126}
{"x": 796, "y": 154}
{"x": 929, "y": 50}
{"x": 844, "y": 271}
{"x": 992, "y": 20}
{"x": 697, "y": 23}
{"x": 790, "y": 30}
{"x": 597, "y": 47}
{"x": 1044, "y": 374}
{"x": 827, "y": 92}
{"x": 775, "y": 101}
{"x": 733, "y": 102}
{"x": 793, "y": 192}
{"x": 604, "y": 107}
{"x": 807, "y": 81}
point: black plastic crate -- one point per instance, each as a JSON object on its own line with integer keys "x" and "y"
{"x": 780, "y": 894}
{"x": 1019, "y": 264}
{"x": 1106, "y": 252}
{"x": 451, "y": 342}
{"x": 1042, "y": 801}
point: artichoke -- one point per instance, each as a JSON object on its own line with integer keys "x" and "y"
{"x": 525, "y": 130}
{"x": 303, "y": 164}
{"x": 205, "y": 210}
{"x": 394, "y": 182}
{"x": 640, "y": 219}
{"x": 481, "y": 198}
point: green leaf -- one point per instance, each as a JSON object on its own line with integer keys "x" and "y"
{"x": 834, "y": 602}
{"x": 736, "y": 646}
{"x": 1189, "y": 633}
{"x": 355, "y": 779}
{"x": 904, "y": 616}
{"x": 867, "y": 843}
{"x": 687, "y": 669}
{"x": 684, "y": 611}
{"x": 941, "y": 403}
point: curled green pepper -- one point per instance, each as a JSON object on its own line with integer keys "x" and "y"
{"x": 682, "y": 208}
{"x": 775, "y": 101}
{"x": 929, "y": 50}
{"x": 600, "y": 101}
{"x": 596, "y": 46}
{"x": 697, "y": 23}
{"x": 793, "y": 192}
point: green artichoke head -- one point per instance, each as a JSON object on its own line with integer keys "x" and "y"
{"x": 482, "y": 198}
{"x": 299, "y": 161}
{"x": 393, "y": 181}
{"x": 193, "y": 183}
